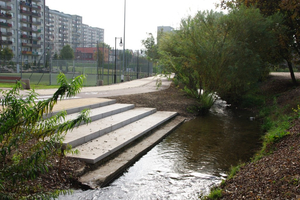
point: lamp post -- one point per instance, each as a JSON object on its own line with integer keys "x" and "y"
{"x": 124, "y": 41}
{"x": 115, "y": 75}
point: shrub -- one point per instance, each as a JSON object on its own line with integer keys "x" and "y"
{"x": 28, "y": 140}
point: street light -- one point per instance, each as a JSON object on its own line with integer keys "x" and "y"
{"x": 122, "y": 77}
{"x": 115, "y": 75}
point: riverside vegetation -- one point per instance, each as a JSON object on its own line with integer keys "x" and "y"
{"x": 274, "y": 171}
{"x": 30, "y": 143}
{"x": 230, "y": 55}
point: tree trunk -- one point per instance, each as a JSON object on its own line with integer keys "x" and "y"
{"x": 292, "y": 72}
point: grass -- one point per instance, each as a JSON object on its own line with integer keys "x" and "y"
{"x": 215, "y": 193}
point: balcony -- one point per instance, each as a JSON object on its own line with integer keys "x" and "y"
{"x": 30, "y": 22}
{"x": 26, "y": 52}
{"x": 28, "y": 29}
{"x": 6, "y": 0}
{"x": 36, "y": 46}
{"x": 7, "y": 8}
{"x": 6, "y": 42}
{"x": 5, "y": 25}
{"x": 36, "y": 53}
{"x": 30, "y": 37}
{"x": 36, "y": 14}
{"x": 26, "y": 12}
{"x": 36, "y": 0}
{"x": 5, "y": 33}
{"x": 36, "y": 23}
{"x": 5, "y": 16}
{"x": 36, "y": 7}
{"x": 28, "y": 5}
{"x": 26, "y": 44}
{"x": 36, "y": 30}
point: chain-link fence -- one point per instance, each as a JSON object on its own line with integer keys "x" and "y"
{"x": 97, "y": 73}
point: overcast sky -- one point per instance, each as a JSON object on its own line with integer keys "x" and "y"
{"x": 142, "y": 16}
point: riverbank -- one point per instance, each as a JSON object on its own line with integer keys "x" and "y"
{"x": 172, "y": 99}
{"x": 276, "y": 175}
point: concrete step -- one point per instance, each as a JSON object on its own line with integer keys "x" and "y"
{"x": 85, "y": 133}
{"x": 104, "y": 111}
{"x": 71, "y": 108}
{"x": 110, "y": 170}
{"x": 102, "y": 146}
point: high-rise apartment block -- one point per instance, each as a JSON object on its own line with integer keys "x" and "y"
{"x": 63, "y": 29}
{"x": 22, "y": 28}
{"x": 91, "y": 35}
{"x": 32, "y": 30}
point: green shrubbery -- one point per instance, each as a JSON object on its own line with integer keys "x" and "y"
{"x": 29, "y": 140}
{"x": 227, "y": 54}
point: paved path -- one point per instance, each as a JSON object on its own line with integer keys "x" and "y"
{"x": 144, "y": 85}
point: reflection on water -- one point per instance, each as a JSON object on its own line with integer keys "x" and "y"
{"x": 189, "y": 161}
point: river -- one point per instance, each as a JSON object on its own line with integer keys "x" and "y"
{"x": 187, "y": 163}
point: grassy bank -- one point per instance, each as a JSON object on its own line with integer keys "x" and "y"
{"x": 273, "y": 172}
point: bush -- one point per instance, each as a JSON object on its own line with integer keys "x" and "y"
{"x": 28, "y": 140}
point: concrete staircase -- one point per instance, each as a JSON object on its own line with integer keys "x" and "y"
{"x": 114, "y": 129}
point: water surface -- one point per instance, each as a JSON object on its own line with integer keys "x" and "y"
{"x": 189, "y": 161}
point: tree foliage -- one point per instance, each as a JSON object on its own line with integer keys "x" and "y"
{"x": 151, "y": 48}
{"x": 67, "y": 53}
{"x": 289, "y": 38}
{"x": 30, "y": 138}
{"x": 6, "y": 54}
{"x": 226, "y": 54}
{"x": 55, "y": 56}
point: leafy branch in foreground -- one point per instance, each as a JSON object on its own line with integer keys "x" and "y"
{"x": 29, "y": 140}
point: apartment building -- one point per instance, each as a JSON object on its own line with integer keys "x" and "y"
{"x": 33, "y": 31}
{"x": 91, "y": 36}
{"x": 61, "y": 29}
{"x": 21, "y": 26}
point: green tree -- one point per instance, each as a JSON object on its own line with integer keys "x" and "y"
{"x": 226, "y": 54}
{"x": 289, "y": 37}
{"x": 151, "y": 48}
{"x": 6, "y": 54}
{"x": 29, "y": 140}
{"x": 55, "y": 57}
{"x": 67, "y": 53}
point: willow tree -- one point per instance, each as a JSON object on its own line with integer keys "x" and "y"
{"x": 227, "y": 54}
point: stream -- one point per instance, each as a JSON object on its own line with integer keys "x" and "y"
{"x": 186, "y": 164}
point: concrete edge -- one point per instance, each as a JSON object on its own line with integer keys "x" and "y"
{"x": 114, "y": 168}
{"x": 80, "y": 108}
{"x": 130, "y": 141}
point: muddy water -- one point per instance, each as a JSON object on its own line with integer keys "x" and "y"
{"x": 188, "y": 162}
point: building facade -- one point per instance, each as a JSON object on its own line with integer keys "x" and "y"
{"x": 62, "y": 29}
{"x": 22, "y": 28}
{"x": 33, "y": 31}
{"x": 90, "y": 53}
{"x": 91, "y": 36}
